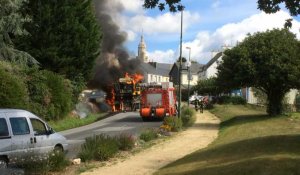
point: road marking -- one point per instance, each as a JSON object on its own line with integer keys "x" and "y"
{"x": 120, "y": 128}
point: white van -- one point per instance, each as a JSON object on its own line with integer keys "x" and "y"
{"x": 23, "y": 134}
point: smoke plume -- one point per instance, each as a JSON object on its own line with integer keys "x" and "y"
{"x": 114, "y": 60}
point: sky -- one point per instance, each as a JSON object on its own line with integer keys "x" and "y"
{"x": 208, "y": 26}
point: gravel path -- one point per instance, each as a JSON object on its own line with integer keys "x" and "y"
{"x": 203, "y": 132}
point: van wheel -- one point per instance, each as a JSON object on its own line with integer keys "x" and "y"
{"x": 58, "y": 149}
{"x": 3, "y": 162}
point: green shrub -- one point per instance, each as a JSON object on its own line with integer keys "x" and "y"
{"x": 50, "y": 94}
{"x": 99, "y": 147}
{"x": 188, "y": 116}
{"x": 125, "y": 141}
{"x": 148, "y": 134}
{"x": 107, "y": 149}
{"x": 174, "y": 122}
{"x": 43, "y": 164}
{"x": 297, "y": 102}
{"x": 236, "y": 100}
{"x": 61, "y": 95}
{"x": 57, "y": 161}
{"x": 13, "y": 90}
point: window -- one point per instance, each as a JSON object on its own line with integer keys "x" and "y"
{"x": 3, "y": 128}
{"x": 38, "y": 127}
{"x": 19, "y": 126}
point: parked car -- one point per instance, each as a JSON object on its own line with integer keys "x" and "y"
{"x": 195, "y": 97}
{"x": 23, "y": 134}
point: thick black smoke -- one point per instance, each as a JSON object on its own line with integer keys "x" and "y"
{"x": 114, "y": 60}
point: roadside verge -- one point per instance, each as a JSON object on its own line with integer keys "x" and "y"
{"x": 202, "y": 133}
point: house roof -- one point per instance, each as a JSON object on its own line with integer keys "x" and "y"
{"x": 214, "y": 59}
{"x": 155, "y": 68}
{"x": 195, "y": 67}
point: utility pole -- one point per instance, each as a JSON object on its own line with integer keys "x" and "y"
{"x": 180, "y": 66}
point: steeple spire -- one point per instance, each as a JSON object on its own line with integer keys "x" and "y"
{"x": 142, "y": 50}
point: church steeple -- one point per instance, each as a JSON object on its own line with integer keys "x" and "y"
{"x": 142, "y": 50}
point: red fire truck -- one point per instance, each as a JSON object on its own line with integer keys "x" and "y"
{"x": 158, "y": 101}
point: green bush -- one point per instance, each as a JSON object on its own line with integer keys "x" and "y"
{"x": 174, "y": 122}
{"x": 148, "y": 134}
{"x": 50, "y": 94}
{"x": 13, "y": 90}
{"x": 297, "y": 102}
{"x": 43, "y": 164}
{"x": 125, "y": 141}
{"x": 236, "y": 100}
{"x": 188, "y": 116}
{"x": 57, "y": 161}
{"x": 61, "y": 95}
{"x": 99, "y": 147}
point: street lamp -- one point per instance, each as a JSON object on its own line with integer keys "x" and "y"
{"x": 180, "y": 66}
{"x": 188, "y": 65}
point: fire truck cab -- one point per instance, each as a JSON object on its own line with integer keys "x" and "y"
{"x": 158, "y": 101}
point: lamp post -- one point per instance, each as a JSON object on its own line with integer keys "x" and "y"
{"x": 189, "y": 73}
{"x": 180, "y": 67}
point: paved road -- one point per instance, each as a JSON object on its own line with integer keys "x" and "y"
{"x": 129, "y": 122}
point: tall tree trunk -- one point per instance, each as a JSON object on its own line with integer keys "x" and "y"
{"x": 275, "y": 102}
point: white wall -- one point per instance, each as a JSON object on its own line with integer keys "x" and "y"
{"x": 184, "y": 79}
{"x": 153, "y": 78}
{"x": 211, "y": 71}
{"x": 290, "y": 96}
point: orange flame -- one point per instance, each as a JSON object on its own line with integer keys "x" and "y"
{"x": 110, "y": 98}
{"x": 137, "y": 78}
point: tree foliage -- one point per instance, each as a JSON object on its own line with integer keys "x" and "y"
{"x": 50, "y": 94}
{"x": 174, "y": 5}
{"x": 268, "y": 61}
{"x": 13, "y": 91}
{"x": 64, "y": 35}
{"x": 10, "y": 26}
{"x": 268, "y": 6}
{"x": 207, "y": 86}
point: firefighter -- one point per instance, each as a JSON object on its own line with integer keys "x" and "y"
{"x": 201, "y": 105}
{"x": 196, "y": 102}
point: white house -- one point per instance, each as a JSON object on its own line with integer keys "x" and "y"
{"x": 210, "y": 70}
{"x": 194, "y": 69}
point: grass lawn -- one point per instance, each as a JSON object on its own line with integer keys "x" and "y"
{"x": 249, "y": 143}
{"x": 73, "y": 122}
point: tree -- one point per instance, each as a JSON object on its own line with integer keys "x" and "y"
{"x": 207, "y": 86}
{"x": 268, "y": 6}
{"x": 268, "y": 61}
{"x": 64, "y": 35}
{"x": 173, "y": 5}
{"x": 10, "y": 26}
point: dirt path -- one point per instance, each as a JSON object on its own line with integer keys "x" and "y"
{"x": 204, "y": 131}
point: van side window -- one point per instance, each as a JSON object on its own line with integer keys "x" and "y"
{"x": 19, "y": 125}
{"x": 38, "y": 127}
{"x": 3, "y": 128}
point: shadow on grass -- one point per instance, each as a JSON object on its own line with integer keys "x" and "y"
{"x": 242, "y": 157}
{"x": 206, "y": 126}
{"x": 242, "y": 119}
{"x": 260, "y": 166}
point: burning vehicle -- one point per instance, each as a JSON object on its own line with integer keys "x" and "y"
{"x": 124, "y": 95}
